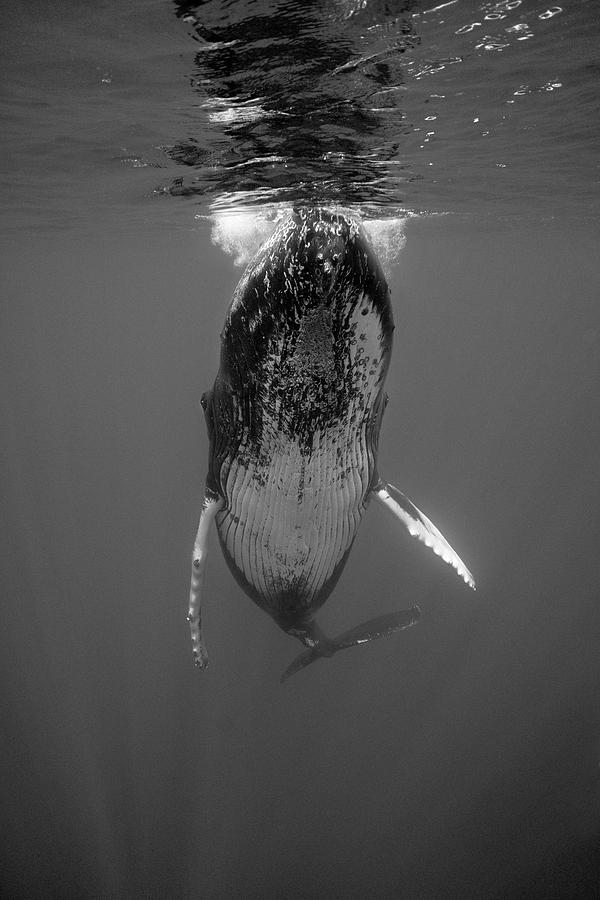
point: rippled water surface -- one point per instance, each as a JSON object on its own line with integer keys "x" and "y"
{"x": 463, "y": 107}
{"x": 459, "y": 759}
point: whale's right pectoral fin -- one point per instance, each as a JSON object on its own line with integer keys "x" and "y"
{"x": 211, "y": 506}
{"x": 421, "y": 527}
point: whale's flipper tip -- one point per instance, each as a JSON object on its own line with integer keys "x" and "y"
{"x": 303, "y": 659}
{"x": 382, "y": 626}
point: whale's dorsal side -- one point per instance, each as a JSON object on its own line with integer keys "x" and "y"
{"x": 421, "y": 527}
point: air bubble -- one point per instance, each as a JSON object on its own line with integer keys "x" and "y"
{"x": 549, "y": 13}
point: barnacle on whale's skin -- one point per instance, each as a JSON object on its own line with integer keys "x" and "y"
{"x": 293, "y": 420}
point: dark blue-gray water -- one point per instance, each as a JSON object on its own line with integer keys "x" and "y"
{"x": 458, "y": 759}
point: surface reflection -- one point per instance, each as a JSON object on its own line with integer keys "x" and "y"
{"x": 301, "y": 101}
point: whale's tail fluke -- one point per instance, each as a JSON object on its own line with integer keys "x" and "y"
{"x": 382, "y": 626}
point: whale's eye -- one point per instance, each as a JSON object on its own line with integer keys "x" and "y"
{"x": 203, "y": 401}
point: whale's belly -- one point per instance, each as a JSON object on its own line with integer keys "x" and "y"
{"x": 290, "y": 520}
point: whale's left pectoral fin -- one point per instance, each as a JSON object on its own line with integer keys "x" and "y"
{"x": 211, "y": 506}
{"x": 421, "y": 527}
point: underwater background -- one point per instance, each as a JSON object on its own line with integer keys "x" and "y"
{"x": 147, "y": 149}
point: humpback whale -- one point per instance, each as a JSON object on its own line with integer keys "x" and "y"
{"x": 293, "y": 421}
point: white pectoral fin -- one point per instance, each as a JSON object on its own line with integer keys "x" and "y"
{"x": 210, "y": 508}
{"x": 421, "y": 527}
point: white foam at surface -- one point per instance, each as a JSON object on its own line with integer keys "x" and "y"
{"x": 388, "y": 237}
{"x": 241, "y": 233}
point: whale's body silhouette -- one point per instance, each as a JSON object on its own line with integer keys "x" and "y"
{"x": 293, "y": 421}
